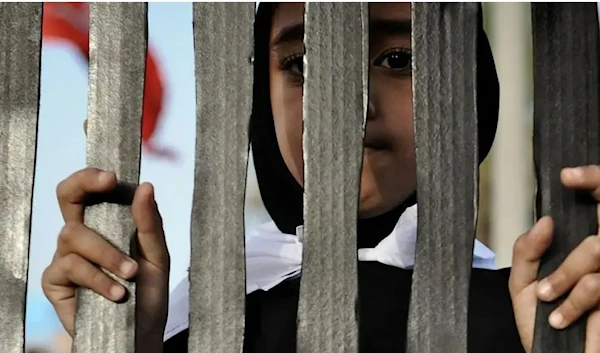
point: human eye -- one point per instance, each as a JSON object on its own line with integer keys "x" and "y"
{"x": 399, "y": 60}
{"x": 294, "y": 65}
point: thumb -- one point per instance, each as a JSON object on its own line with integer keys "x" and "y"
{"x": 151, "y": 238}
{"x": 527, "y": 253}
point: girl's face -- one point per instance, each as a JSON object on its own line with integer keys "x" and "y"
{"x": 389, "y": 170}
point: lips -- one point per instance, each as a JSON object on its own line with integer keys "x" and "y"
{"x": 376, "y": 142}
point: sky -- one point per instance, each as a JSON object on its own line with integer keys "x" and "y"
{"x": 61, "y": 151}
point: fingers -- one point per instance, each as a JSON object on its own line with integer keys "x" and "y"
{"x": 79, "y": 254}
{"x": 584, "y": 297}
{"x": 583, "y": 260}
{"x": 527, "y": 252}
{"x": 585, "y": 178}
{"x": 73, "y": 270}
{"x": 592, "y": 335}
{"x": 578, "y": 270}
{"x": 72, "y": 191}
{"x": 83, "y": 255}
{"x": 151, "y": 238}
{"x": 77, "y": 238}
{"x": 65, "y": 274}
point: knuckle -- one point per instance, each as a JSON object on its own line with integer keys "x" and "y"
{"x": 68, "y": 264}
{"x": 590, "y": 284}
{"x": 62, "y": 189}
{"x": 79, "y": 177}
{"x": 67, "y": 236}
{"x": 520, "y": 245}
{"x": 87, "y": 172}
{"x": 592, "y": 244}
{"x": 46, "y": 281}
{"x": 82, "y": 176}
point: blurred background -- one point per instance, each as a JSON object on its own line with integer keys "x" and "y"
{"x": 507, "y": 180}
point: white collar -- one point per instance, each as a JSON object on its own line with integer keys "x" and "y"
{"x": 273, "y": 257}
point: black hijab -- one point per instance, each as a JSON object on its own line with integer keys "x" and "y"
{"x": 281, "y": 193}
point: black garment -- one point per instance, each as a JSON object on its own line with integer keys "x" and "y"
{"x": 384, "y": 297}
{"x": 384, "y": 290}
{"x": 281, "y": 194}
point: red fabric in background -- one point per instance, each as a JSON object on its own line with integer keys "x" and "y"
{"x": 69, "y": 22}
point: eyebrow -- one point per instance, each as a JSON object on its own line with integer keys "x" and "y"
{"x": 295, "y": 32}
{"x": 390, "y": 27}
{"x": 288, "y": 34}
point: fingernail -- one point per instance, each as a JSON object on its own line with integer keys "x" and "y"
{"x": 127, "y": 268}
{"x": 116, "y": 291}
{"x": 545, "y": 289}
{"x": 575, "y": 173}
{"x": 556, "y": 319}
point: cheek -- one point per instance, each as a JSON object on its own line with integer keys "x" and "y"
{"x": 396, "y": 112}
{"x": 403, "y": 131}
{"x": 402, "y": 128}
{"x": 286, "y": 104}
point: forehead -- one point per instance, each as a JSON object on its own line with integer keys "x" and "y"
{"x": 289, "y": 13}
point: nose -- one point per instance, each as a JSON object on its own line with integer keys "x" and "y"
{"x": 371, "y": 110}
{"x": 373, "y": 106}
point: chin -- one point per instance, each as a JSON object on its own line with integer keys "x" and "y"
{"x": 366, "y": 214}
{"x": 371, "y": 205}
{"x": 375, "y": 206}
{"x": 384, "y": 188}
{"x": 374, "y": 202}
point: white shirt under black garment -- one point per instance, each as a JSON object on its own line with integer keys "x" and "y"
{"x": 273, "y": 257}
